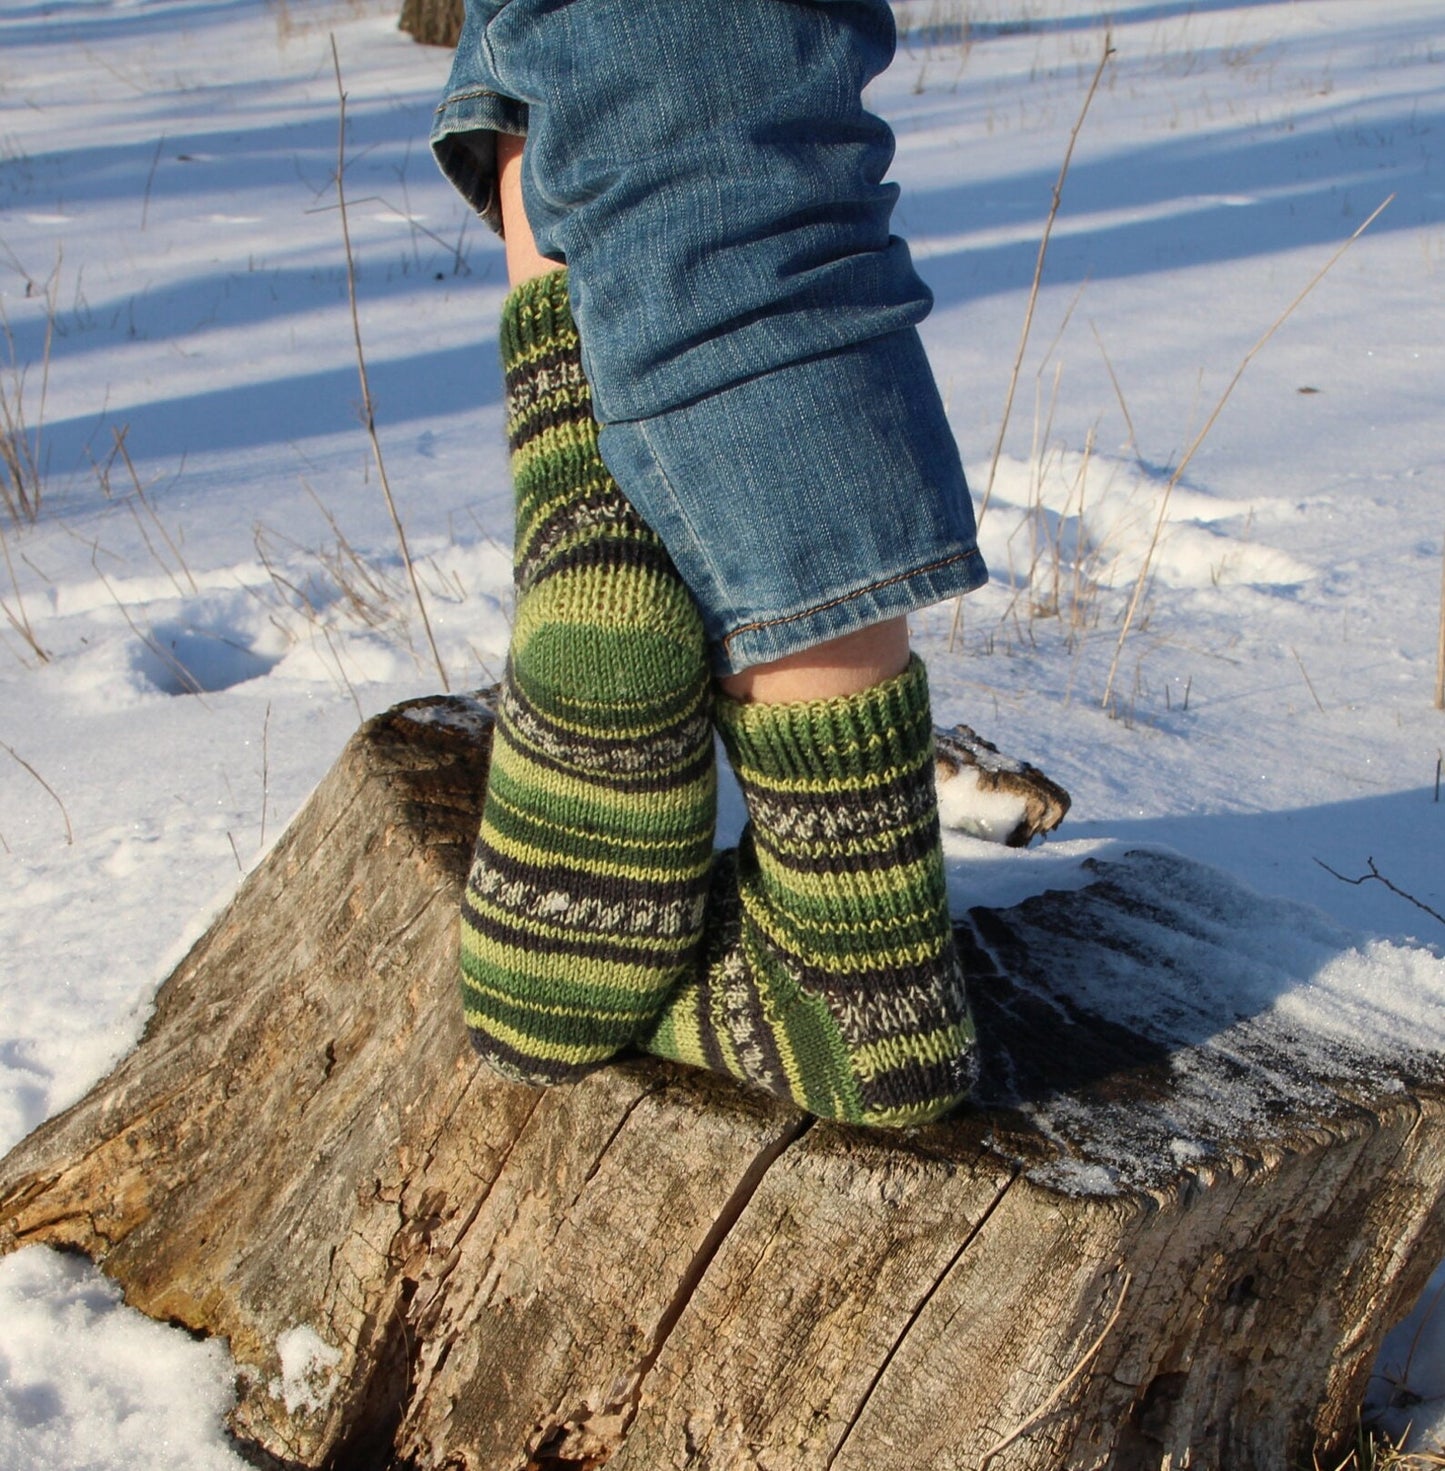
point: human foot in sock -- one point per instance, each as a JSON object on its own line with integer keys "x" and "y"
{"x": 829, "y": 974}
{"x": 584, "y": 906}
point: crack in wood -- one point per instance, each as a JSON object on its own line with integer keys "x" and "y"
{"x": 917, "y": 1313}
{"x": 717, "y": 1234}
{"x": 399, "y": 1342}
{"x": 648, "y": 1092}
{"x": 1038, "y": 1416}
{"x": 446, "y": 1126}
{"x": 387, "y": 941}
{"x": 454, "y": 1253}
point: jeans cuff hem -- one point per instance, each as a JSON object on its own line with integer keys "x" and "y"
{"x": 762, "y": 641}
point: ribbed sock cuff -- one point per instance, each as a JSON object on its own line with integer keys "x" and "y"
{"x": 537, "y": 317}
{"x": 851, "y": 737}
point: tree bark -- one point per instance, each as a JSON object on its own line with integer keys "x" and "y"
{"x": 1168, "y": 1234}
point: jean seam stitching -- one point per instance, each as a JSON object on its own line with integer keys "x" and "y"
{"x": 473, "y": 94}
{"x": 848, "y": 597}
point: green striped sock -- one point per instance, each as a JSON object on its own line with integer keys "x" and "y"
{"x": 830, "y": 975}
{"x": 585, "y": 902}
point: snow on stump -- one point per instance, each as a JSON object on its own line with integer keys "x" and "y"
{"x": 1204, "y": 1174}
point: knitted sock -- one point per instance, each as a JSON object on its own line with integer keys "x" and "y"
{"x": 830, "y": 975}
{"x": 585, "y": 902}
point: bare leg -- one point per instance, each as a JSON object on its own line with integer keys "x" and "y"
{"x": 524, "y": 262}
{"x": 841, "y": 666}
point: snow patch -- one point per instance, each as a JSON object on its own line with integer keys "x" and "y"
{"x": 466, "y": 715}
{"x": 1264, "y": 1011}
{"x": 989, "y": 815}
{"x": 88, "y": 1383}
{"x": 1404, "y": 1397}
{"x": 1097, "y": 516}
{"x": 179, "y": 658}
{"x": 308, "y": 1370}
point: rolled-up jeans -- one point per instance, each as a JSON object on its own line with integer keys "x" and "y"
{"x": 711, "y": 179}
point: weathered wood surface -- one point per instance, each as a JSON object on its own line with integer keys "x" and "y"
{"x": 1171, "y": 1234}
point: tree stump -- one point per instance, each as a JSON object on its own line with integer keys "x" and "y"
{"x": 432, "y": 22}
{"x": 1192, "y": 1195}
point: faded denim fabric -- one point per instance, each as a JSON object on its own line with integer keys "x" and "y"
{"x": 715, "y": 186}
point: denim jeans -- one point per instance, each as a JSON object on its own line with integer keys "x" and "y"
{"x": 711, "y": 179}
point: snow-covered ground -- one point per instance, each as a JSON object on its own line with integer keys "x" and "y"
{"x": 211, "y": 592}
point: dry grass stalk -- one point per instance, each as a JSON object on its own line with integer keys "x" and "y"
{"x": 22, "y": 460}
{"x": 1144, "y": 571}
{"x": 145, "y": 204}
{"x": 17, "y": 617}
{"x": 294, "y": 597}
{"x": 184, "y": 678}
{"x": 367, "y": 405}
{"x": 1119, "y": 394}
{"x": 1373, "y": 1453}
{"x": 365, "y": 589}
{"x": 1079, "y": 607}
{"x": 124, "y": 453}
{"x": 1057, "y": 200}
{"x": 69, "y": 831}
{"x": 1066, "y": 568}
{"x": 1308, "y": 681}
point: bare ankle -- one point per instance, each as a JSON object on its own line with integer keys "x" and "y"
{"x": 842, "y": 666}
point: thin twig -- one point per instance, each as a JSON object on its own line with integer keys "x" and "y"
{"x": 145, "y": 204}
{"x": 1025, "y": 1426}
{"x": 1378, "y": 877}
{"x": 1063, "y": 327}
{"x": 1118, "y": 393}
{"x": 19, "y": 619}
{"x": 119, "y": 435}
{"x": 1308, "y": 680}
{"x": 367, "y": 406}
{"x": 22, "y": 456}
{"x": 341, "y": 668}
{"x": 52, "y": 292}
{"x": 1179, "y": 469}
{"x": 188, "y": 682}
{"x": 1033, "y": 300}
{"x": 417, "y": 228}
{"x": 145, "y": 536}
{"x": 69, "y": 831}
